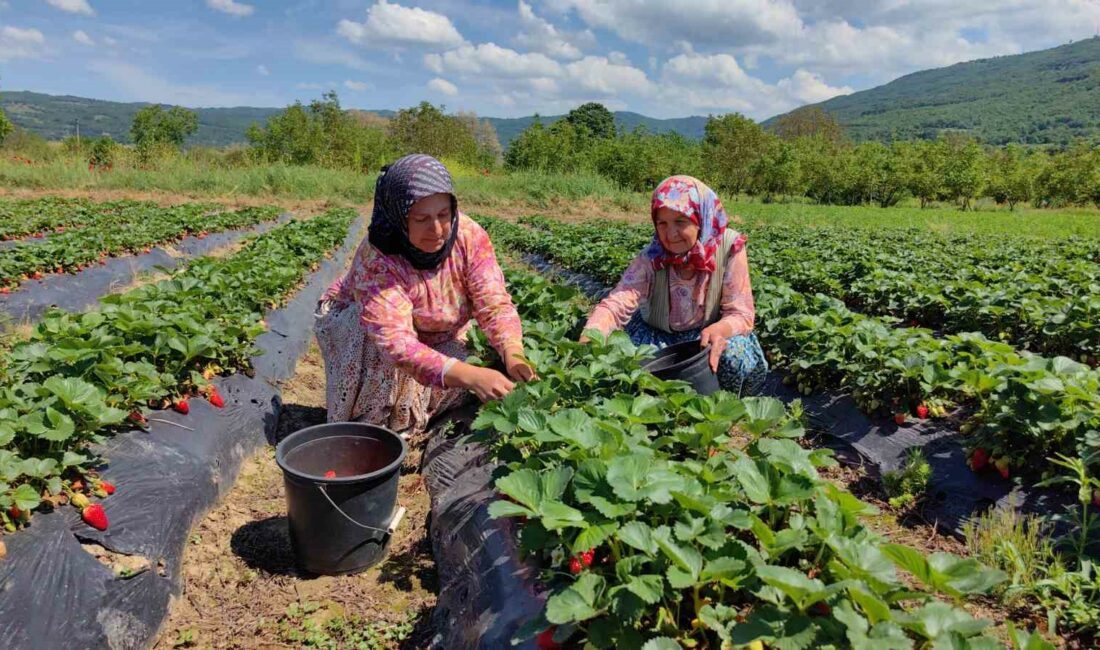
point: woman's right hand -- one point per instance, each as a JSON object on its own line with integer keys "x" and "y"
{"x": 486, "y": 383}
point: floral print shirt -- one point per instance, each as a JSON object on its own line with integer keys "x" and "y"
{"x": 687, "y": 298}
{"x": 409, "y": 312}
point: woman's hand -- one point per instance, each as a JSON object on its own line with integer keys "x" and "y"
{"x": 486, "y": 383}
{"x": 518, "y": 367}
{"x": 715, "y": 336}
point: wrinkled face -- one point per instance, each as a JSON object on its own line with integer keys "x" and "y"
{"x": 430, "y": 222}
{"x": 676, "y": 231}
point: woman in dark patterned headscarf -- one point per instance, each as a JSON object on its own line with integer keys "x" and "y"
{"x": 392, "y": 330}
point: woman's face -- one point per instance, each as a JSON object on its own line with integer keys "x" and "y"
{"x": 677, "y": 232}
{"x": 430, "y": 222}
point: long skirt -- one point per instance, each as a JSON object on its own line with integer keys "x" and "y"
{"x": 741, "y": 369}
{"x": 362, "y": 386}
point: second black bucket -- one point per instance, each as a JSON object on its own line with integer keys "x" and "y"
{"x": 341, "y": 523}
{"x": 686, "y": 362}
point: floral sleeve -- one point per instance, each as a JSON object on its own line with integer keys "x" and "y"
{"x": 738, "y": 309}
{"x": 614, "y": 311}
{"x": 492, "y": 306}
{"x": 387, "y": 317}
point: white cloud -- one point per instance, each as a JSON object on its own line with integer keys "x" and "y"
{"x": 80, "y": 36}
{"x": 73, "y": 6}
{"x": 139, "y": 84}
{"x": 20, "y": 43}
{"x": 705, "y": 82}
{"x": 443, "y": 87}
{"x": 357, "y": 86}
{"x": 493, "y": 60}
{"x": 107, "y": 40}
{"x": 597, "y": 74}
{"x": 722, "y": 23}
{"x": 263, "y": 71}
{"x": 231, "y": 7}
{"x": 392, "y": 25}
{"x": 541, "y": 36}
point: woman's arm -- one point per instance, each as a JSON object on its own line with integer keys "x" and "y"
{"x": 387, "y": 317}
{"x": 492, "y": 305}
{"x": 614, "y": 311}
{"x": 738, "y": 309}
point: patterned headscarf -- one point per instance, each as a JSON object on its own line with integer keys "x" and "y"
{"x": 691, "y": 197}
{"x": 401, "y": 184}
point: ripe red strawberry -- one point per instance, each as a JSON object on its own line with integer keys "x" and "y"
{"x": 979, "y": 459}
{"x": 37, "y": 275}
{"x": 575, "y": 565}
{"x": 138, "y": 417}
{"x": 820, "y": 608}
{"x": 922, "y": 411}
{"x": 94, "y": 516}
{"x": 216, "y": 398}
{"x": 545, "y": 639}
{"x": 330, "y": 474}
{"x": 899, "y": 419}
{"x": 15, "y": 512}
{"x": 181, "y": 406}
{"x": 109, "y": 488}
{"x": 5, "y": 290}
{"x": 588, "y": 556}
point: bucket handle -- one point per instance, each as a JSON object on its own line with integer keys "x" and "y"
{"x": 395, "y": 518}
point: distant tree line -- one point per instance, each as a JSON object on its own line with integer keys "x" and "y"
{"x": 807, "y": 154}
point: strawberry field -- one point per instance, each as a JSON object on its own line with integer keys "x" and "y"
{"x": 598, "y": 507}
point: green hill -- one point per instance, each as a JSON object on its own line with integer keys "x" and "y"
{"x": 1045, "y": 97}
{"x": 55, "y": 117}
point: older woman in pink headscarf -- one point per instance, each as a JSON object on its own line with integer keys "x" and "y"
{"x": 690, "y": 283}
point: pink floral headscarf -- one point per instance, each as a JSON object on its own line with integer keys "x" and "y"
{"x": 692, "y": 198}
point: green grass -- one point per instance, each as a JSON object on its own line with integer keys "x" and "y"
{"x": 530, "y": 191}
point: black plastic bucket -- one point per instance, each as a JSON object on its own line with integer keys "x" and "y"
{"x": 341, "y": 525}
{"x": 686, "y": 362}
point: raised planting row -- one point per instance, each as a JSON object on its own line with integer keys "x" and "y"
{"x": 1023, "y": 407}
{"x": 21, "y": 218}
{"x": 129, "y": 230}
{"x": 81, "y": 377}
{"x": 1040, "y": 296}
{"x": 661, "y": 519}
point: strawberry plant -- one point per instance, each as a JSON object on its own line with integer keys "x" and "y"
{"x": 706, "y": 521}
{"x": 79, "y": 377}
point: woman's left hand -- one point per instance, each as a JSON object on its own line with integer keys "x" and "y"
{"x": 518, "y": 367}
{"x": 715, "y": 336}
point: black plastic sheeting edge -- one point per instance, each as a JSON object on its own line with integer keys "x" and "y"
{"x": 486, "y": 592}
{"x": 956, "y": 493}
{"x": 80, "y": 291}
{"x": 54, "y": 594}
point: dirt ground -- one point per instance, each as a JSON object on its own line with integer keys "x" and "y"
{"x": 240, "y": 586}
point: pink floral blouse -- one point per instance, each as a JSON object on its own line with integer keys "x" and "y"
{"x": 687, "y": 298}
{"x": 408, "y": 312}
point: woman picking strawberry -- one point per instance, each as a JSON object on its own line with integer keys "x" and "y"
{"x": 392, "y": 330}
{"x": 690, "y": 283}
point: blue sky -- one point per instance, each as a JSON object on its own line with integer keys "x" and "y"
{"x": 508, "y": 58}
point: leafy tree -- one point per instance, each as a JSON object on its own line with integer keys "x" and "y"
{"x": 963, "y": 168}
{"x": 153, "y": 126}
{"x": 1010, "y": 177}
{"x": 823, "y": 167}
{"x": 732, "y": 145}
{"x": 775, "y": 171}
{"x": 427, "y": 129}
{"x": 593, "y": 118}
{"x": 809, "y": 121}
{"x": 557, "y": 148}
{"x": 5, "y": 125}
{"x": 322, "y": 134}
{"x": 485, "y": 136}
{"x": 103, "y": 152}
{"x": 923, "y": 163}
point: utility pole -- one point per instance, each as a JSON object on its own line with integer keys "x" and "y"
{"x": 78, "y": 147}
